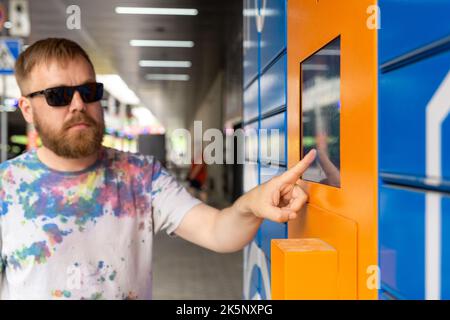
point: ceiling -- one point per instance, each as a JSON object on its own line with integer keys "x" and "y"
{"x": 106, "y": 35}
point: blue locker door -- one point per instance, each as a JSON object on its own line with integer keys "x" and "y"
{"x": 414, "y": 123}
{"x": 415, "y": 243}
{"x": 251, "y": 109}
{"x": 408, "y": 25}
{"x": 273, "y": 140}
{"x": 273, "y": 30}
{"x": 273, "y": 86}
{"x": 251, "y": 41}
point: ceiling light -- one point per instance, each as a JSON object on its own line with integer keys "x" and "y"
{"x": 161, "y": 43}
{"x": 165, "y": 64}
{"x": 145, "y": 117}
{"x": 157, "y": 11}
{"x": 168, "y": 77}
{"x": 118, "y": 88}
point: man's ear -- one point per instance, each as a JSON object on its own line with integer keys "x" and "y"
{"x": 27, "y": 111}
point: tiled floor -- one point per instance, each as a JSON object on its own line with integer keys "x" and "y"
{"x": 182, "y": 270}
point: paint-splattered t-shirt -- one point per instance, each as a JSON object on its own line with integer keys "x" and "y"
{"x": 87, "y": 234}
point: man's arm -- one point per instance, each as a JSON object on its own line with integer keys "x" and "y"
{"x": 231, "y": 229}
{"x": 2, "y": 262}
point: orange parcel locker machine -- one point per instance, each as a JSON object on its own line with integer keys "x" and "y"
{"x": 331, "y": 250}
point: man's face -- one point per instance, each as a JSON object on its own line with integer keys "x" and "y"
{"x": 57, "y": 127}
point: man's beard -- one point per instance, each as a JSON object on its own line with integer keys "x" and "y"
{"x": 72, "y": 144}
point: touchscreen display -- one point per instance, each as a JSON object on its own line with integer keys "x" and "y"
{"x": 321, "y": 113}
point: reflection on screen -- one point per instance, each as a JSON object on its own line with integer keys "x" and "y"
{"x": 320, "y": 103}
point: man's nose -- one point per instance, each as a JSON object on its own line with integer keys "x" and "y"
{"x": 77, "y": 103}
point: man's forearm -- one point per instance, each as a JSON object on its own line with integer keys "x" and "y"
{"x": 235, "y": 226}
{"x": 226, "y": 230}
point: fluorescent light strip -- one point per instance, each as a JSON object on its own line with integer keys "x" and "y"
{"x": 168, "y": 77}
{"x": 118, "y": 88}
{"x": 157, "y": 11}
{"x": 165, "y": 64}
{"x": 161, "y": 43}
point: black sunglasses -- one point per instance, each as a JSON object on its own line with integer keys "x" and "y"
{"x": 62, "y": 96}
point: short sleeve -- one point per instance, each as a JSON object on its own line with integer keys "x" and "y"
{"x": 2, "y": 260}
{"x": 170, "y": 200}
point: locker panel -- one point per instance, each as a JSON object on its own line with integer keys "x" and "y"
{"x": 408, "y": 25}
{"x": 273, "y": 86}
{"x": 406, "y": 120}
{"x": 273, "y": 33}
{"x": 272, "y": 139}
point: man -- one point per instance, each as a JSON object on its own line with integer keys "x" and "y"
{"x": 77, "y": 220}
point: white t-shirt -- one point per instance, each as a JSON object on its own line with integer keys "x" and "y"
{"x": 87, "y": 234}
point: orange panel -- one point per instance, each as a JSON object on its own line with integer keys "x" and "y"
{"x": 311, "y": 25}
{"x": 339, "y": 232}
{"x": 304, "y": 269}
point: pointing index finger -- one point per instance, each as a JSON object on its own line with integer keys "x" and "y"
{"x": 294, "y": 173}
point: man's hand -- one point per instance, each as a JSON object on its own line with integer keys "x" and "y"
{"x": 281, "y": 198}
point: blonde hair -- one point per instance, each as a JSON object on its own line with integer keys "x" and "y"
{"x": 46, "y": 51}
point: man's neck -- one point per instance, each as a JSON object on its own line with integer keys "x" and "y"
{"x": 55, "y": 162}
